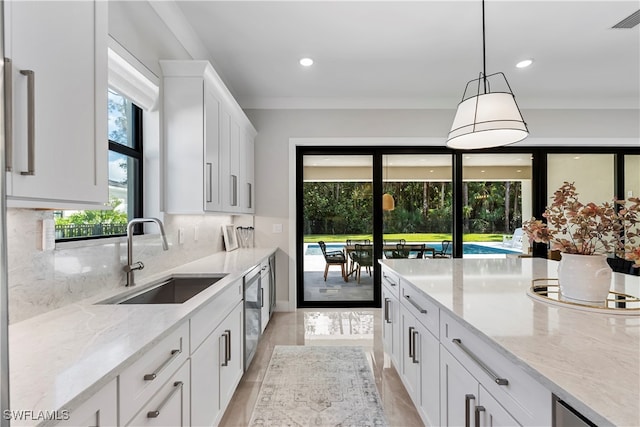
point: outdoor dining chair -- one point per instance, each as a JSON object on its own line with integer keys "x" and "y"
{"x": 333, "y": 258}
{"x": 362, "y": 256}
{"x": 411, "y": 250}
{"x": 444, "y": 252}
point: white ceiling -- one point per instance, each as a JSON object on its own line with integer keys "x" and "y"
{"x": 419, "y": 54}
{"x": 417, "y": 160}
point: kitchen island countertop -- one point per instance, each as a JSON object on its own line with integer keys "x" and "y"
{"x": 61, "y": 358}
{"x": 590, "y": 360}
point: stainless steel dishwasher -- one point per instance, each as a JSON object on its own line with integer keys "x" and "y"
{"x": 252, "y": 314}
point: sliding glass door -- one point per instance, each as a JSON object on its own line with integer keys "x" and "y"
{"x": 337, "y": 260}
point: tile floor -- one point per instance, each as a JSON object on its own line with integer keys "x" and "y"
{"x": 360, "y": 327}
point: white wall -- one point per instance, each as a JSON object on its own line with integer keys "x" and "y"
{"x": 279, "y": 130}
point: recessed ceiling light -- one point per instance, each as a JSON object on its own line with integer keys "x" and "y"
{"x": 519, "y": 170}
{"x": 306, "y": 62}
{"x": 576, "y": 158}
{"x": 431, "y": 171}
{"x": 525, "y": 63}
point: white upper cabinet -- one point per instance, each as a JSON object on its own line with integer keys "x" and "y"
{"x": 207, "y": 135}
{"x": 56, "y": 102}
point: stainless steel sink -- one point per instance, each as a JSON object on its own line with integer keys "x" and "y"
{"x": 174, "y": 290}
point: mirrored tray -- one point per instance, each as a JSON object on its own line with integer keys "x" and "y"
{"x": 548, "y": 291}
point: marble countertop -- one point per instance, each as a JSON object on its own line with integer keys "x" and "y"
{"x": 590, "y": 360}
{"x": 61, "y": 358}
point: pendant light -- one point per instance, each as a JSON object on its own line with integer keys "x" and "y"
{"x": 488, "y": 118}
{"x": 388, "y": 204}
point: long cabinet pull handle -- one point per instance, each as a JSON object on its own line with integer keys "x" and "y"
{"x": 261, "y": 297}
{"x": 154, "y": 375}
{"x": 386, "y": 310}
{"x": 226, "y": 349}
{"x": 249, "y": 191}
{"x": 8, "y": 114}
{"x": 478, "y": 410}
{"x": 467, "y": 409}
{"x": 413, "y": 303}
{"x": 389, "y": 280}
{"x": 493, "y": 375}
{"x": 411, "y": 349}
{"x": 209, "y": 182}
{"x": 31, "y": 122}
{"x": 177, "y": 386}
{"x": 415, "y": 346}
{"x": 234, "y": 190}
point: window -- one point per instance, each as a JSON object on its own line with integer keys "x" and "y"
{"x": 125, "y": 178}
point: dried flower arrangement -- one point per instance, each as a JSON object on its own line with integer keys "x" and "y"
{"x": 576, "y": 228}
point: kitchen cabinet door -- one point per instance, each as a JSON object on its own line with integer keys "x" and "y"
{"x": 216, "y": 368}
{"x": 247, "y": 172}
{"x": 458, "y": 392}
{"x": 205, "y": 380}
{"x": 170, "y": 406}
{"x": 213, "y": 201}
{"x": 232, "y": 364}
{"x": 58, "y": 144}
{"x": 391, "y": 338}
{"x": 409, "y": 364}
{"x": 428, "y": 354}
{"x": 230, "y": 161}
{"x": 100, "y": 410}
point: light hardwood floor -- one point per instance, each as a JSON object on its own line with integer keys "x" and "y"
{"x": 361, "y": 327}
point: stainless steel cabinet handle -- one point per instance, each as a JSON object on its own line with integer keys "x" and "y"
{"x": 415, "y": 346}
{"x": 420, "y": 309}
{"x": 31, "y": 122}
{"x": 249, "y": 191}
{"x": 411, "y": 349}
{"x": 227, "y": 347}
{"x": 152, "y": 376}
{"x": 493, "y": 375}
{"x": 234, "y": 190}
{"x": 478, "y": 410}
{"x": 389, "y": 280}
{"x": 386, "y": 310}
{"x": 261, "y": 297}
{"x": 8, "y": 114}
{"x": 176, "y": 387}
{"x": 467, "y": 409}
{"x": 209, "y": 182}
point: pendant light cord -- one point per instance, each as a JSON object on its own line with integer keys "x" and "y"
{"x": 484, "y": 53}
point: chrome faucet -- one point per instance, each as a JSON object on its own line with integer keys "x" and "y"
{"x": 132, "y": 266}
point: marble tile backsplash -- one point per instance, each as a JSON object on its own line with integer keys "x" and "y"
{"x": 40, "y": 281}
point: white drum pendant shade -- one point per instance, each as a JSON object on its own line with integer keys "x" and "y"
{"x": 487, "y": 120}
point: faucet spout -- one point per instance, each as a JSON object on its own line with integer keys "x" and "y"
{"x": 132, "y": 266}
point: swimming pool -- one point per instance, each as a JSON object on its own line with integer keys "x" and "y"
{"x": 468, "y": 249}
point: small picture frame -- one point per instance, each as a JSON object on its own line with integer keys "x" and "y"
{"x": 229, "y": 236}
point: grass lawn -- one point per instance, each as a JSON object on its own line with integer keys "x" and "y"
{"x": 411, "y": 237}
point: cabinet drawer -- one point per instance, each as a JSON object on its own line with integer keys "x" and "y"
{"x": 170, "y": 405}
{"x": 425, "y": 311}
{"x": 142, "y": 380}
{"x": 209, "y": 317}
{"x": 99, "y": 410}
{"x": 391, "y": 281}
{"x": 522, "y": 396}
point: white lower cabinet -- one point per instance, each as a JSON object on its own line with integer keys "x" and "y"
{"x": 420, "y": 368}
{"x": 452, "y": 372}
{"x": 99, "y": 411}
{"x": 170, "y": 406}
{"x": 465, "y": 402}
{"x": 216, "y": 369}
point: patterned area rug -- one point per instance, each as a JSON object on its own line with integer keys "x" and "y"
{"x": 318, "y": 386}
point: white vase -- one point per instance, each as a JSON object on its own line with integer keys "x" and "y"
{"x": 584, "y": 279}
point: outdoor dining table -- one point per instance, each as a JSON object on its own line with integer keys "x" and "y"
{"x": 387, "y": 247}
